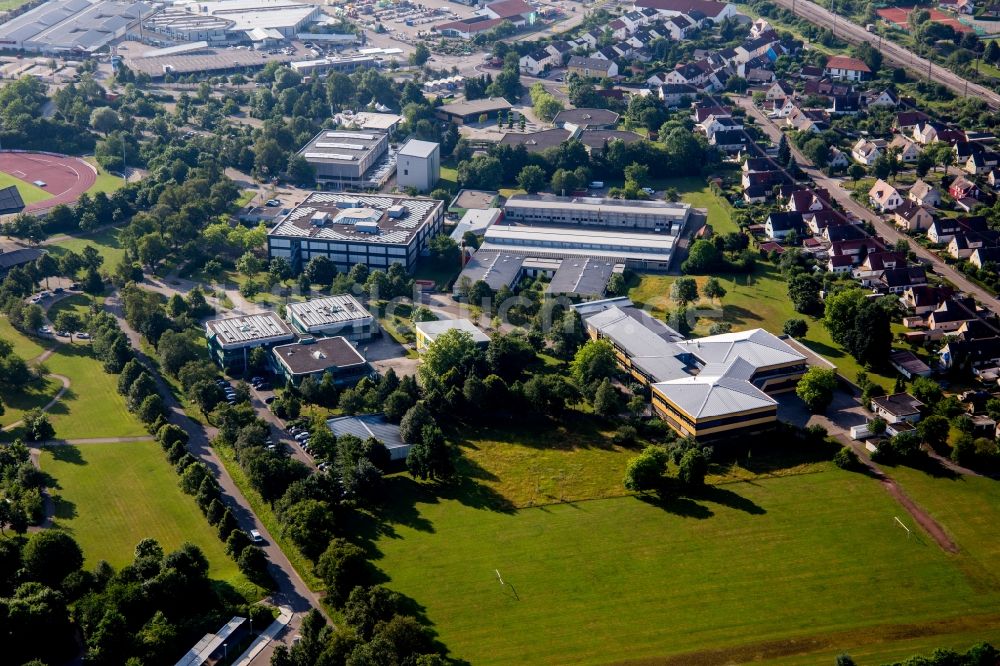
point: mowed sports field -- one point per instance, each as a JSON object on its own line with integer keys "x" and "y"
{"x": 782, "y": 568}
{"x": 65, "y": 178}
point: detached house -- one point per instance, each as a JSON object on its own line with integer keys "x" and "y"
{"x": 884, "y": 197}
{"x": 907, "y": 150}
{"x": 592, "y": 67}
{"x": 911, "y": 216}
{"x": 980, "y": 163}
{"x": 963, "y": 188}
{"x": 885, "y": 99}
{"x": 924, "y": 194}
{"x": 850, "y": 69}
{"x": 866, "y": 152}
{"x": 779, "y": 90}
{"x": 674, "y": 94}
{"x": 779, "y": 225}
{"x": 535, "y": 62}
{"x": 907, "y": 121}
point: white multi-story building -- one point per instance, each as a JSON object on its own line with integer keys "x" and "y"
{"x": 418, "y": 165}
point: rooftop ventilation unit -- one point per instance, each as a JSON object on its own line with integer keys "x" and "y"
{"x": 349, "y": 203}
{"x": 397, "y": 211}
{"x": 367, "y": 227}
{"x": 320, "y": 219}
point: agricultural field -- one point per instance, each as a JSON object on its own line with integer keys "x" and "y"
{"x": 737, "y": 574}
{"x": 111, "y": 496}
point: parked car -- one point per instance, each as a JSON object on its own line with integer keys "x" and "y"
{"x": 256, "y": 537}
{"x": 302, "y": 437}
{"x": 273, "y": 202}
{"x": 58, "y": 290}
{"x": 264, "y": 386}
{"x": 83, "y": 336}
{"x": 268, "y": 400}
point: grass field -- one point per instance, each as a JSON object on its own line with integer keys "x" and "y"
{"x": 695, "y": 191}
{"x": 111, "y": 496}
{"x": 25, "y": 347}
{"x": 105, "y": 182}
{"x": 756, "y": 301}
{"x": 92, "y": 406}
{"x": 78, "y": 303}
{"x": 29, "y": 193}
{"x": 776, "y": 560}
{"x": 28, "y": 396}
{"x": 104, "y": 241}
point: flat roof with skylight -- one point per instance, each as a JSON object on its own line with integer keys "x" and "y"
{"x": 381, "y": 218}
{"x": 248, "y": 330}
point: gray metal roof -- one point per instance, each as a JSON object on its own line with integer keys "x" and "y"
{"x": 586, "y": 277}
{"x": 368, "y": 425}
{"x": 320, "y": 312}
{"x": 709, "y": 396}
{"x": 418, "y": 148}
{"x": 10, "y": 200}
{"x": 495, "y": 268}
{"x": 245, "y": 330}
{"x": 432, "y": 329}
{"x": 757, "y": 346}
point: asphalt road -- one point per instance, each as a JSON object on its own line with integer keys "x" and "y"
{"x": 291, "y": 590}
{"x": 891, "y": 51}
{"x": 884, "y": 229}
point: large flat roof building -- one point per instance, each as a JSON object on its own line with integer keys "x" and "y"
{"x": 371, "y": 425}
{"x": 230, "y": 339}
{"x": 231, "y": 21}
{"x": 641, "y": 251}
{"x": 429, "y": 331}
{"x": 462, "y": 113}
{"x": 316, "y": 357}
{"x": 371, "y": 229}
{"x": 340, "y": 315}
{"x": 71, "y": 26}
{"x": 660, "y": 216}
{"x": 717, "y": 386}
{"x": 343, "y": 158}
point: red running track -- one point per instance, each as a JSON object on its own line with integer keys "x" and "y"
{"x": 65, "y": 178}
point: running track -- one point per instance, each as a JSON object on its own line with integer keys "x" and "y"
{"x": 66, "y": 178}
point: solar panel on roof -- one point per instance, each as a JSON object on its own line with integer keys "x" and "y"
{"x": 349, "y": 135}
{"x": 330, "y": 156}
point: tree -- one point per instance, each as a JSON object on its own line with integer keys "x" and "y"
{"x": 309, "y": 524}
{"x": 300, "y": 171}
{"x": 816, "y": 388}
{"x": 531, "y": 178}
{"x": 713, "y": 289}
{"x": 795, "y": 328}
{"x": 926, "y": 390}
{"x": 454, "y": 349}
{"x": 803, "y": 291}
{"x": 69, "y": 321}
{"x": 607, "y": 400}
{"x": 856, "y": 172}
{"x": 104, "y": 119}
{"x": 846, "y": 458}
{"x": 420, "y": 55}
{"x": 341, "y": 567}
{"x": 367, "y": 607}
{"x": 784, "y": 150}
{"x": 413, "y": 422}
{"x": 253, "y": 564}
{"x": 645, "y": 471}
{"x": 593, "y": 362}
{"x": 37, "y": 427}
{"x": 430, "y": 457}
{"x": 684, "y": 291}
{"x": 693, "y": 467}
{"x": 703, "y": 257}
{"x": 50, "y": 556}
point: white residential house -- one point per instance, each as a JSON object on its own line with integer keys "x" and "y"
{"x": 866, "y": 152}
{"x": 925, "y": 133}
{"x": 897, "y": 408}
{"x": 850, "y": 69}
{"x": 981, "y": 162}
{"x": 887, "y": 99}
{"x": 779, "y": 90}
{"x": 677, "y": 27}
{"x": 837, "y": 159}
{"x": 884, "y": 197}
{"x": 907, "y": 150}
{"x": 924, "y": 194}
{"x": 535, "y": 62}
{"x": 759, "y": 27}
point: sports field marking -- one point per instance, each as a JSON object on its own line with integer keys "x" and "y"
{"x": 29, "y": 192}
{"x": 17, "y": 173}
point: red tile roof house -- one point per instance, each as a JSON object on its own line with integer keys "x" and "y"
{"x": 851, "y": 69}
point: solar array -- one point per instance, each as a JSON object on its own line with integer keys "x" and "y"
{"x": 337, "y": 144}
{"x": 364, "y": 136}
{"x": 331, "y": 156}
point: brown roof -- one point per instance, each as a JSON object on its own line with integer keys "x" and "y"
{"x": 845, "y": 62}
{"x": 323, "y": 354}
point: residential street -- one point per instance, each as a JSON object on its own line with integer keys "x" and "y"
{"x": 884, "y": 229}
{"x": 291, "y": 590}
{"x": 893, "y": 52}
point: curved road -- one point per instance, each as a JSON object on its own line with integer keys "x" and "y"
{"x": 891, "y": 51}
{"x": 291, "y": 589}
{"x": 886, "y": 230}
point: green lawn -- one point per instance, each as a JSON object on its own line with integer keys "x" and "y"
{"x": 759, "y": 300}
{"x": 25, "y": 347}
{"x": 92, "y": 406}
{"x": 610, "y": 580}
{"x": 105, "y": 182}
{"x": 78, "y": 303}
{"x": 696, "y": 192}
{"x": 111, "y": 496}
{"x": 29, "y": 193}
{"x": 26, "y": 397}
{"x": 104, "y": 241}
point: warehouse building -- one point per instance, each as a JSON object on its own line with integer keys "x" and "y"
{"x": 230, "y": 339}
{"x": 348, "y": 158}
{"x": 71, "y": 26}
{"x": 374, "y": 426}
{"x": 313, "y": 357}
{"x": 374, "y": 230}
{"x": 340, "y": 315}
{"x": 657, "y": 216}
{"x": 343, "y": 64}
{"x": 418, "y": 165}
{"x": 712, "y": 387}
{"x": 234, "y": 21}
{"x": 429, "y": 331}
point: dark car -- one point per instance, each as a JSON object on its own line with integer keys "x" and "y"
{"x": 268, "y": 400}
